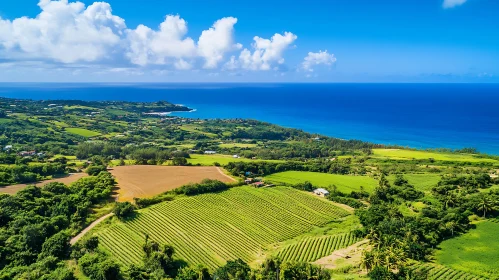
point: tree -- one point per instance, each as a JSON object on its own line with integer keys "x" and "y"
{"x": 57, "y": 246}
{"x": 233, "y": 270}
{"x": 124, "y": 210}
{"x": 485, "y": 204}
{"x": 94, "y": 170}
{"x": 179, "y": 161}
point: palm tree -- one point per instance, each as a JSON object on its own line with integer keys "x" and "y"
{"x": 485, "y": 204}
{"x": 450, "y": 200}
{"x": 452, "y": 225}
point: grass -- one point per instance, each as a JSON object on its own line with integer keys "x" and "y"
{"x": 422, "y": 182}
{"x": 237, "y": 145}
{"x": 441, "y": 272}
{"x": 210, "y": 229}
{"x": 410, "y": 154}
{"x": 82, "y": 132}
{"x": 60, "y": 124}
{"x": 345, "y": 183}
{"x": 210, "y": 160}
{"x": 474, "y": 252}
{"x": 197, "y": 129}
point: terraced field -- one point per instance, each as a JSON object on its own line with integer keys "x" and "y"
{"x": 441, "y": 272}
{"x": 213, "y": 228}
{"x": 312, "y": 249}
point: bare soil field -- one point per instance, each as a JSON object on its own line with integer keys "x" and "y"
{"x": 65, "y": 180}
{"x": 146, "y": 180}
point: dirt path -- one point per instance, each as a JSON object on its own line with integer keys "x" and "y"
{"x": 90, "y": 227}
{"x": 225, "y": 175}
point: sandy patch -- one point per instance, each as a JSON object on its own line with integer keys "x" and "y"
{"x": 347, "y": 256}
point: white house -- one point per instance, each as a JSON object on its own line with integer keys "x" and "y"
{"x": 7, "y": 148}
{"x": 210, "y": 152}
{"x": 321, "y": 192}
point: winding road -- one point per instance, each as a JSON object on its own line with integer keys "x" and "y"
{"x": 90, "y": 227}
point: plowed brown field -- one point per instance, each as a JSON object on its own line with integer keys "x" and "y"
{"x": 146, "y": 180}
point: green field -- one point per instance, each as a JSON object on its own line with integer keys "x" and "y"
{"x": 82, "y": 132}
{"x": 210, "y": 229}
{"x": 422, "y": 182}
{"x": 345, "y": 183}
{"x": 237, "y": 145}
{"x": 210, "y": 160}
{"x": 474, "y": 252}
{"x": 197, "y": 129}
{"x": 441, "y": 272}
{"x": 312, "y": 249}
{"x": 410, "y": 154}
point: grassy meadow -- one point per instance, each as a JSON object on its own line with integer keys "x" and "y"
{"x": 210, "y": 160}
{"x": 422, "y": 182}
{"x": 400, "y": 154}
{"x": 82, "y": 132}
{"x": 475, "y": 252}
{"x": 345, "y": 183}
{"x": 210, "y": 229}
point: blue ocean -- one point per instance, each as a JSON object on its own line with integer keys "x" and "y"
{"x": 415, "y": 115}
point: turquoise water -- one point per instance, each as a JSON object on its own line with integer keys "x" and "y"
{"x": 415, "y": 115}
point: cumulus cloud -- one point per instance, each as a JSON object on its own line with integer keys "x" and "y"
{"x": 148, "y": 46}
{"x": 63, "y": 32}
{"x": 267, "y": 52}
{"x": 70, "y": 33}
{"x": 318, "y": 58}
{"x": 216, "y": 41}
{"x": 453, "y": 3}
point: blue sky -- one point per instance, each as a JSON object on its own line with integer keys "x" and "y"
{"x": 366, "y": 41}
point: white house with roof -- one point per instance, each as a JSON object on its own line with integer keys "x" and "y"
{"x": 210, "y": 152}
{"x": 321, "y": 192}
{"x": 7, "y": 148}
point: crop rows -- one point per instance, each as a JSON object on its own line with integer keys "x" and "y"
{"x": 440, "y": 272}
{"x": 213, "y": 228}
{"x": 312, "y": 249}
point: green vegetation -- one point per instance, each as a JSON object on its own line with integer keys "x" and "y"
{"x": 312, "y": 249}
{"x": 197, "y": 129}
{"x": 413, "y": 154}
{"x": 82, "y": 132}
{"x": 439, "y": 272}
{"x": 211, "y": 229}
{"x": 344, "y": 183}
{"x": 210, "y": 160}
{"x": 474, "y": 252}
{"x": 407, "y": 202}
{"x": 422, "y": 182}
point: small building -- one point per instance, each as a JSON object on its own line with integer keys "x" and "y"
{"x": 7, "y": 148}
{"x": 210, "y": 152}
{"x": 321, "y": 192}
{"x": 258, "y": 184}
{"x": 248, "y": 181}
{"x": 27, "y": 153}
{"x": 235, "y": 156}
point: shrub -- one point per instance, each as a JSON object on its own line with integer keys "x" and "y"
{"x": 124, "y": 210}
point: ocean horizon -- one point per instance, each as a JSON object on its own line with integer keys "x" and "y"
{"x": 419, "y": 116}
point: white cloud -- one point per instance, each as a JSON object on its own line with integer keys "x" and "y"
{"x": 155, "y": 47}
{"x": 314, "y": 59}
{"x": 267, "y": 53}
{"x": 66, "y": 34}
{"x": 216, "y": 41}
{"x": 182, "y": 65}
{"x": 453, "y": 3}
{"x": 63, "y": 32}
